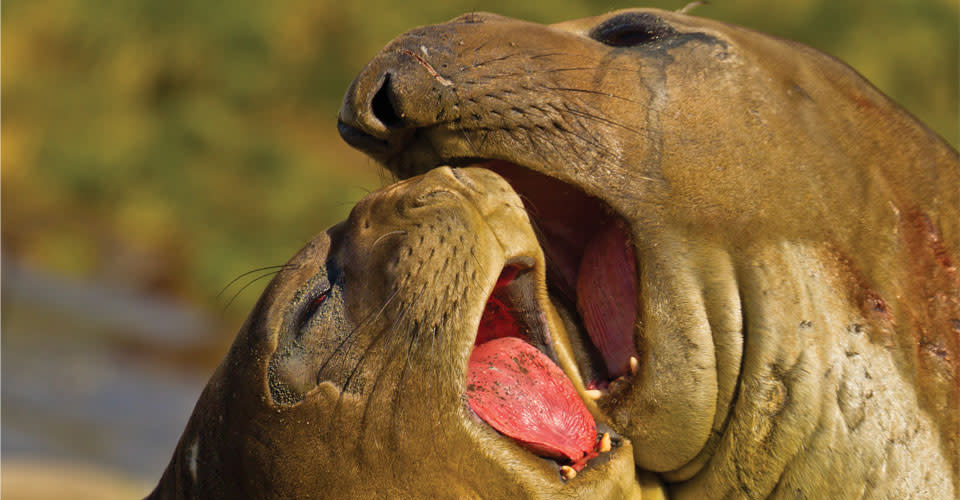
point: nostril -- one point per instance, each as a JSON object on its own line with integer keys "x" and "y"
{"x": 382, "y": 105}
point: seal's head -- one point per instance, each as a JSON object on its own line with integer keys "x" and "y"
{"x": 759, "y": 246}
{"x": 408, "y": 352}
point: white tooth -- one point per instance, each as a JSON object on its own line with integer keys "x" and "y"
{"x": 605, "y": 443}
{"x": 593, "y": 394}
{"x": 567, "y": 472}
{"x": 634, "y": 365}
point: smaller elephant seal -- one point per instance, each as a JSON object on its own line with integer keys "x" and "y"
{"x": 761, "y": 248}
{"x": 408, "y": 352}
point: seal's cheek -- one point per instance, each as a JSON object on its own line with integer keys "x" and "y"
{"x": 313, "y": 349}
{"x": 687, "y": 319}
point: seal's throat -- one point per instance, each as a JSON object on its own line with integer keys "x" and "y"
{"x": 590, "y": 266}
{"x": 516, "y": 387}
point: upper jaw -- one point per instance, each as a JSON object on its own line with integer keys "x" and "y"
{"x": 510, "y": 226}
{"x": 635, "y": 399}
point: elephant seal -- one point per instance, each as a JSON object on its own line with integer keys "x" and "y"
{"x": 351, "y": 377}
{"x": 758, "y": 248}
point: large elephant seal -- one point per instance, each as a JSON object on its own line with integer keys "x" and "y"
{"x": 760, "y": 247}
{"x": 356, "y": 375}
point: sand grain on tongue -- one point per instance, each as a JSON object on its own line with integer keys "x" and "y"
{"x": 519, "y": 392}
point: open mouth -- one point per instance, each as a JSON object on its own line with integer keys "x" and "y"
{"x": 591, "y": 269}
{"x": 515, "y": 385}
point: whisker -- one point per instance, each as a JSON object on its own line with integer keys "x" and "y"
{"x": 509, "y": 56}
{"x": 244, "y": 287}
{"x": 362, "y": 188}
{"x": 372, "y": 317}
{"x": 557, "y": 70}
{"x": 686, "y": 9}
{"x": 462, "y": 129}
{"x": 384, "y": 235}
{"x": 389, "y": 360}
{"x": 548, "y": 54}
{"x": 363, "y": 357}
{"x": 588, "y": 91}
{"x": 601, "y": 119}
{"x": 450, "y": 294}
{"x": 484, "y": 44}
{"x": 342, "y": 204}
{"x": 393, "y": 327}
{"x": 234, "y": 280}
{"x": 466, "y": 137}
{"x": 384, "y": 175}
{"x": 492, "y": 60}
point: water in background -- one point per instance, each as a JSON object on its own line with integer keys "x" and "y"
{"x": 94, "y": 379}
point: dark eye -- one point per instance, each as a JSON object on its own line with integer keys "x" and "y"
{"x": 314, "y": 304}
{"x": 320, "y": 289}
{"x": 631, "y": 29}
{"x": 320, "y": 299}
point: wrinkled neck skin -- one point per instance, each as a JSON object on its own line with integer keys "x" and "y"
{"x": 796, "y": 237}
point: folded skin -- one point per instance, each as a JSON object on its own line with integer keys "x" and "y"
{"x": 793, "y": 234}
{"x": 349, "y": 378}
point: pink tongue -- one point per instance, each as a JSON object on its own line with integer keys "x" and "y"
{"x": 607, "y": 296}
{"x": 520, "y": 392}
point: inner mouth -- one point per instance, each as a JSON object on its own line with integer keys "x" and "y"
{"x": 515, "y": 385}
{"x": 591, "y": 269}
{"x": 513, "y": 381}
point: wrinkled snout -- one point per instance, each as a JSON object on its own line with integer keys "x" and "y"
{"x": 408, "y": 85}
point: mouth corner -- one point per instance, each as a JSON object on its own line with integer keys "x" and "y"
{"x": 591, "y": 267}
{"x": 514, "y": 308}
{"x": 514, "y": 384}
{"x": 514, "y": 360}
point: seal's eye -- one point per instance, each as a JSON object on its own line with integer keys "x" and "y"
{"x": 314, "y": 304}
{"x": 631, "y": 29}
{"x": 322, "y": 285}
{"x": 319, "y": 300}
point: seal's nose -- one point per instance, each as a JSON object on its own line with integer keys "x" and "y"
{"x": 369, "y": 107}
{"x": 390, "y": 97}
{"x": 368, "y": 114}
{"x": 411, "y": 84}
{"x": 407, "y": 86}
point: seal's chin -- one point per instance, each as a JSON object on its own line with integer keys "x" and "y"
{"x": 591, "y": 268}
{"x": 514, "y": 383}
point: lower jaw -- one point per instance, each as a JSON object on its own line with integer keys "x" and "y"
{"x": 590, "y": 267}
{"x": 606, "y": 371}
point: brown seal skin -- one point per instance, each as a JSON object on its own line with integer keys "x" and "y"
{"x": 348, "y": 378}
{"x": 796, "y": 235}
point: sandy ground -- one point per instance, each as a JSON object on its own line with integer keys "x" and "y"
{"x": 51, "y": 480}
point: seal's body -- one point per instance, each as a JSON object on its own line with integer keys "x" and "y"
{"x": 350, "y": 377}
{"x": 757, "y": 248}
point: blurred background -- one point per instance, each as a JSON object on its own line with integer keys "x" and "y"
{"x": 154, "y": 151}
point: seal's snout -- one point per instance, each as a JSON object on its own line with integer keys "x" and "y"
{"x": 407, "y": 86}
{"x": 360, "y": 139}
{"x": 366, "y": 115}
{"x": 375, "y": 116}
{"x": 369, "y": 114}
{"x": 382, "y": 105}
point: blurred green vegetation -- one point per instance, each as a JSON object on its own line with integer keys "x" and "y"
{"x": 172, "y": 145}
